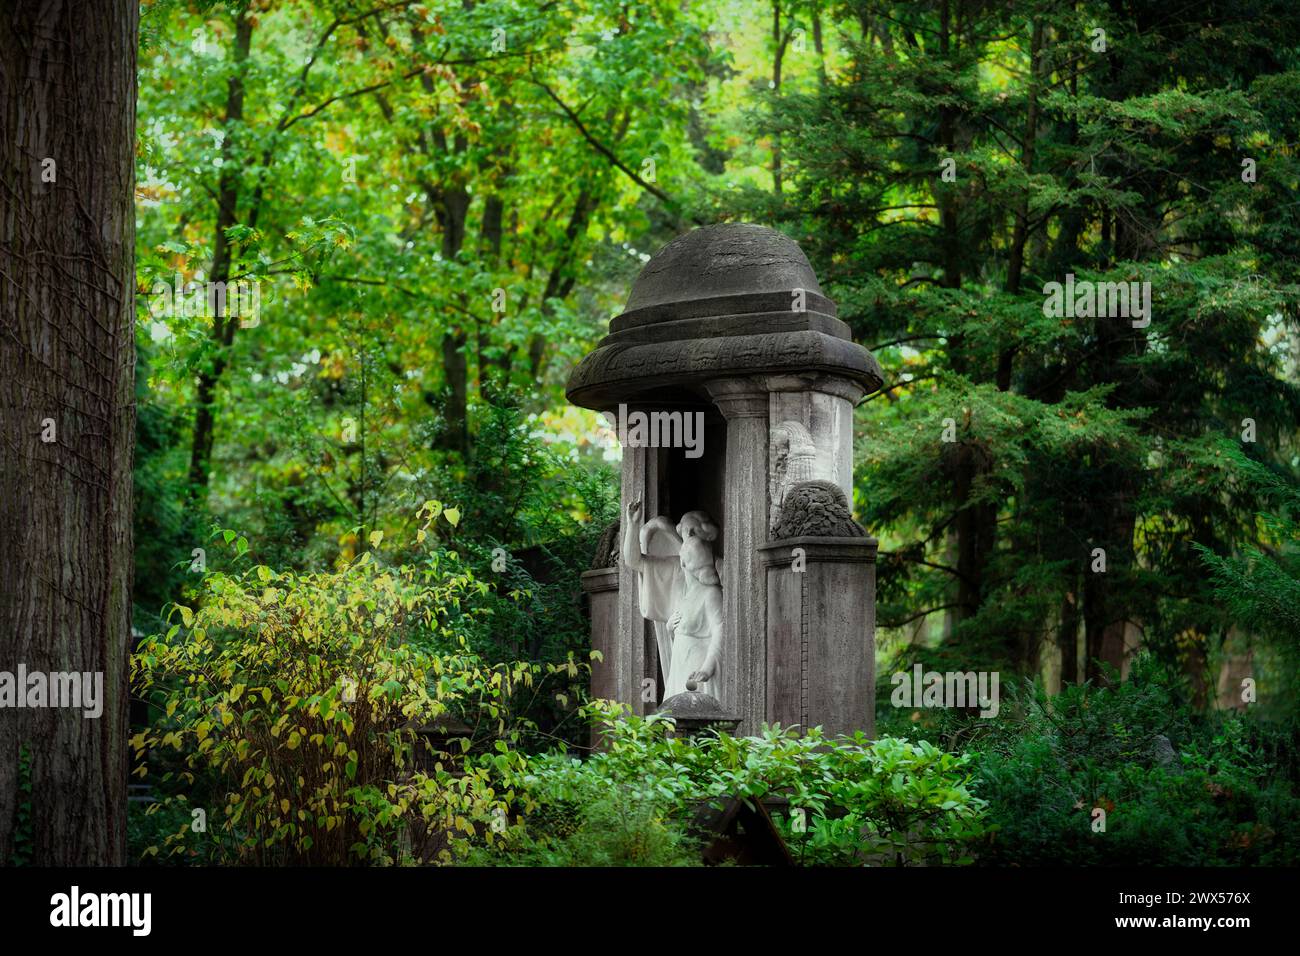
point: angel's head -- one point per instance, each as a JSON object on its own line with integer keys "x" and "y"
{"x": 696, "y": 531}
{"x": 697, "y": 524}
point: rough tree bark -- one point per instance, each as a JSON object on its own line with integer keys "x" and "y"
{"x": 67, "y": 418}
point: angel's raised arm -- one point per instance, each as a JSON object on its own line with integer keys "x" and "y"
{"x": 657, "y": 540}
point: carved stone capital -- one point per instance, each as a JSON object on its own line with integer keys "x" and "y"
{"x": 739, "y": 397}
{"x": 836, "y": 385}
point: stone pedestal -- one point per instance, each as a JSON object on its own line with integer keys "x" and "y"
{"x": 821, "y": 628}
{"x": 744, "y": 404}
{"x": 601, "y": 588}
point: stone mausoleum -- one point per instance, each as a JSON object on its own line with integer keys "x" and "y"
{"x": 737, "y": 569}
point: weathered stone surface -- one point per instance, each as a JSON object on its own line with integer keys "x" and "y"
{"x": 617, "y": 372}
{"x": 727, "y": 259}
{"x": 821, "y": 624}
{"x": 606, "y": 555}
{"x": 601, "y": 587}
{"x": 722, "y": 300}
{"x": 694, "y": 711}
{"x": 1162, "y": 751}
{"x": 824, "y": 405}
{"x": 817, "y": 509}
{"x": 729, "y": 322}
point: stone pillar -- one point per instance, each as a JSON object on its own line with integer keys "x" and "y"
{"x": 824, "y": 405}
{"x": 821, "y": 626}
{"x": 601, "y": 588}
{"x": 744, "y": 403}
{"x": 642, "y": 471}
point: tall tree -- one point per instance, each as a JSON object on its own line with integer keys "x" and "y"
{"x": 434, "y": 179}
{"x": 67, "y": 368}
{"x": 1046, "y": 475}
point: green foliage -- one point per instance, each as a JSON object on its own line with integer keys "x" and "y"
{"x": 164, "y": 531}
{"x": 1176, "y": 789}
{"x": 296, "y": 700}
{"x": 442, "y": 203}
{"x": 581, "y": 820}
{"x": 1068, "y": 433}
{"x": 1260, "y": 589}
{"x": 20, "y": 853}
{"x": 859, "y": 802}
{"x": 151, "y": 825}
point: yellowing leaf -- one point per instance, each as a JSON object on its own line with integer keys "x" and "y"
{"x": 453, "y": 516}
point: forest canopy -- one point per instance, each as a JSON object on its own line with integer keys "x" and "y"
{"x": 432, "y": 209}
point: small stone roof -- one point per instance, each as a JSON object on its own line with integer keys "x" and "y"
{"x": 730, "y": 299}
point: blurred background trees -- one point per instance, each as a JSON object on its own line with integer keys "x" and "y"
{"x": 443, "y": 203}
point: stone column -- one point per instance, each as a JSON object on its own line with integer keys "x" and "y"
{"x": 821, "y": 626}
{"x": 824, "y": 405}
{"x": 642, "y": 470}
{"x": 601, "y": 587}
{"x": 744, "y": 403}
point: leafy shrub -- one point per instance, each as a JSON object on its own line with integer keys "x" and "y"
{"x": 150, "y": 824}
{"x": 528, "y": 522}
{"x": 585, "y": 822}
{"x": 1176, "y": 789}
{"x": 883, "y": 801}
{"x": 298, "y": 699}
{"x": 1260, "y": 587}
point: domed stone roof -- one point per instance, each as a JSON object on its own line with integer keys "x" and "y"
{"x": 726, "y": 300}
{"x": 723, "y": 260}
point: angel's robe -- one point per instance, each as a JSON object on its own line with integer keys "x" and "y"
{"x": 696, "y": 638}
{"x": 660, "y": 583}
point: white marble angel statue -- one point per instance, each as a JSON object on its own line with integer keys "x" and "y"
{"x": 681, "y": 592}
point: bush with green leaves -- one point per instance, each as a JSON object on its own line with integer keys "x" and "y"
{"x": 854, "y": 801}
{"x": 528, "y": 521}
{"x": 583, "y": 821}
{"x": 1259, "y": 587}
{"x": 1176, "y": 788}
{"x": 289, "y": 710}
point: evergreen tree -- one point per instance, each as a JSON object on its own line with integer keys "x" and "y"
{"x": 1041, "y": 475}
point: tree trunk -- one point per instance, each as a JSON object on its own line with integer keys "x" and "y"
{"x": 493, "y": 373}
{"x": 455, "y": 361}
{"x": 778, "y": 57}
{"x": 223, "y": 329}
{"x": 975, "y": 525}
{"x": 1020, "y": 231}
{"x": 67, "y": 379}
{"x": 1067, "y": 638}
